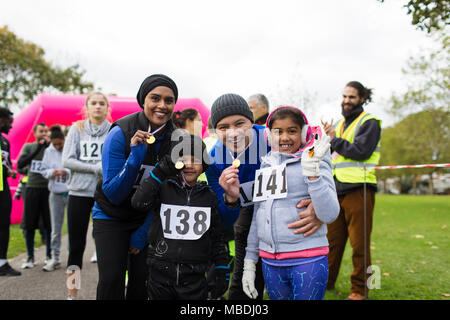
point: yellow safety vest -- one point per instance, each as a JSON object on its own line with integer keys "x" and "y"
{"x": 348, "y": 170}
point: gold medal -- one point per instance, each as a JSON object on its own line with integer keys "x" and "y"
{"x": 236, "y": 163}
{"x": 151, "y": 139}
{"x": 179, "y": 165}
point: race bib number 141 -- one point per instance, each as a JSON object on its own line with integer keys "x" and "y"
{"x": 270, "y": 183}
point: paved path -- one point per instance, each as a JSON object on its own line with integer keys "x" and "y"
{"x": 35, "y": 284}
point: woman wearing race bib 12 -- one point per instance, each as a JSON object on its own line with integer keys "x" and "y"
{"x": 298, "y": 167}
{"x": 82, "y": 155}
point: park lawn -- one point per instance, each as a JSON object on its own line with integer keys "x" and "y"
{"x": 411, "y": 246}
{"x": 17, "y": 240}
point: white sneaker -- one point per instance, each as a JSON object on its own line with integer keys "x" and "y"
{"x": 94, "y": 258}
{"x": 28, "y": 264}
{"x": 52, "y": 265}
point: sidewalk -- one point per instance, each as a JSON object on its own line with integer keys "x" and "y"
{"x": 35, "y": 284}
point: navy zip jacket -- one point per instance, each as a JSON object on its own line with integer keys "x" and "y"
{"x": 152, "y": 193}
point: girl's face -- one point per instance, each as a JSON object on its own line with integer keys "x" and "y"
{"x": 193, "y": 168}
{"x": 58, "y": 144}
{"x": 97, "y": 107}
{"x": 158, "y": 106}
{"x": 195, "y": 126}
{"x": 286, "y": 135}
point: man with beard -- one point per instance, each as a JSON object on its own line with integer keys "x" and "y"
{"x": 6, "y": 119}
{"x": 355, "y": 144}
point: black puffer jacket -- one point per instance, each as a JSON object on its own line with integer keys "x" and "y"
{"x": 152, "y": 194}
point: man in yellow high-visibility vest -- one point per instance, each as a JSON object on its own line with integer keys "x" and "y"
{"x": 355, "y": 144}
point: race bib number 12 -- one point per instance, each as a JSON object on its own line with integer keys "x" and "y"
{"x": 270, "y": 183}
{"x": 184, "y": 223}
{"x": 91, "y": 150}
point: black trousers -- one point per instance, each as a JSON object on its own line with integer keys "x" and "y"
{"x": 112, "y": 240}
{"x": 78, "y": 215}
{"x": 176, "y": 281}
{"x": 5, "y": 219}
{"x": 241, "y": 230}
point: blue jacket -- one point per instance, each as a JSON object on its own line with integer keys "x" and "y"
{"x": 250, "y": 162}
{"x": 269, "y": 231}
{"x": 119, "y": 176}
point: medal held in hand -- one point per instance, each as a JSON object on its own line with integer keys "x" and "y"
{"x": 179, "y": 165}
{"x": 152, "y": 139}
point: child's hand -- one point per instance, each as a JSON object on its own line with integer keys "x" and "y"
{"x": 248, "y": 279}
{"x": 312, "y": 156}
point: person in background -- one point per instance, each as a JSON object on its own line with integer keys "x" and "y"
{"x": 355, "y": 144}
{"x": 188, "y": 119}
{"x": 82, "y": 155}
{"x": 57, "y": 177}
{"x": 36, "y": 199}
{"x": 259, "y": 105}
{"x": 6, "y": 120}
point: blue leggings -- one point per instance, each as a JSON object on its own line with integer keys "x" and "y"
{"x": 305, "y": 281}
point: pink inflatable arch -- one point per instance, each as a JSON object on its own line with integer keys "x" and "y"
{"x": 64, "y": 110}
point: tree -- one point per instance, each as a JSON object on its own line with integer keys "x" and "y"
{"x": 429, "y": 15}
{"x": 420, "y": 138}
{"x": 428, "y": 79}
{"x": 24, "y": 72}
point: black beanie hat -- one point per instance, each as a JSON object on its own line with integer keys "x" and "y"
{"x": 152, "y": 82}
{"x": 227, "y": 105}
{"x": 192, "y": 144}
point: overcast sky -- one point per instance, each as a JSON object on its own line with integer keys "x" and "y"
{"x": 212, "y": 47}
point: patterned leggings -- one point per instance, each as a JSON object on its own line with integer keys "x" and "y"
{"x": 304, "y": 281}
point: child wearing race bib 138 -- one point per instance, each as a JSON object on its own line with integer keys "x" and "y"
{"x": 185, "y": 232}
{"x": 298, "y": 167}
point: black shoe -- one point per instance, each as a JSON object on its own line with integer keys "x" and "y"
{"x": 6, "y": 270}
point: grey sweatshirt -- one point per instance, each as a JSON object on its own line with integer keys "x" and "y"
{"x": 82, "y": 156}
{"x": 50, "y": 162}
{"x": 269, "y": 231}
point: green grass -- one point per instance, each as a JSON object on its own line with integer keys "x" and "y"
{"x": 411, "y": 246}
{"x": 17, "y": 240}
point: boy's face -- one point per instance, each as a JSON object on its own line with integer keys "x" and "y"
{"x": 235, "y": 132}
{"x": 193, "y": 168}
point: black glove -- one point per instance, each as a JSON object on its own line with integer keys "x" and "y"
{"x": 222, "y": 281}
{"x": 165, "y": 168}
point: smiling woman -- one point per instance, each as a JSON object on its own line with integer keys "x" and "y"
{"x": 129, "y": 154}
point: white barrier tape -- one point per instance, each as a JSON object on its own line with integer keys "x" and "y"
{"x": 440, "y": 165}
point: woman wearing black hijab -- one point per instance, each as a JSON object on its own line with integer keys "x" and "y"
{"x": 134, "y": 145}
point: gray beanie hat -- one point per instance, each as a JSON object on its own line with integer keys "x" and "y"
{"x": 227, "y": 105}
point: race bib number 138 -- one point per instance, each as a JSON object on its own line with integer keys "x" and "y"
{"x": 184, "y": 223}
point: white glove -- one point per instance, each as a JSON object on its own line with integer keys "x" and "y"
{"x": 312, "y": 156}
{"x": 248, "y": 278}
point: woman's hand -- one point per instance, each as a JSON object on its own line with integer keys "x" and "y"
{"x": 134, "y": 250}
{"x": 139, "y": 137}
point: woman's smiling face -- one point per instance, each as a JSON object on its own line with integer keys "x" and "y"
{"x": 158, "y": 106}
